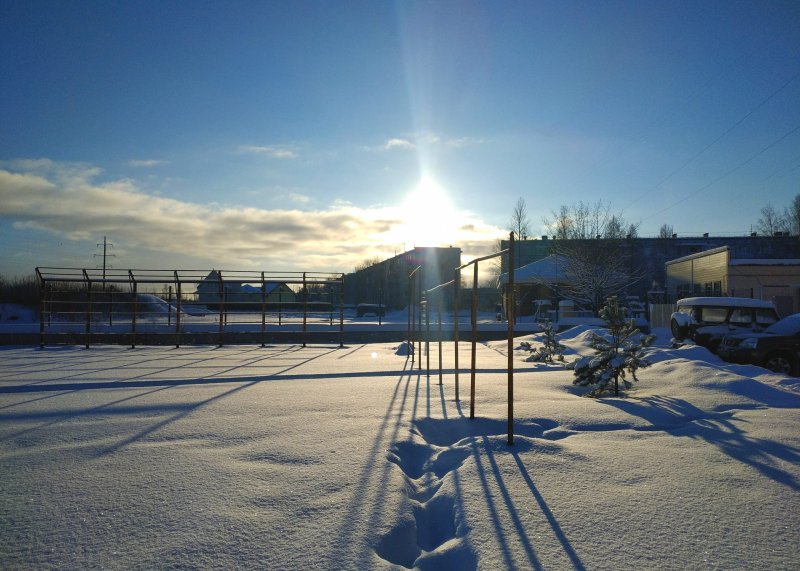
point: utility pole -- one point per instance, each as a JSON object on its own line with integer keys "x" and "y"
{"x": 105, "y": 255}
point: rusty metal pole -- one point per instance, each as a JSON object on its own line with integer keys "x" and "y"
{"x": 474, "y": 323}
{"x": 305, "y": 309}
{"x": 439, "y": 336}
{"x": 511, "y": 317}
{"x": 88, "y": 307}
{"x": 419, "y": 319}
{"x": 456, "y": 296}
{"x": 177, "y": 310}
{"x": 427, "y": 334}
{"x": 221, "y": 307}
{"x": 135, "y": 308}
{"x": 42, "y": 308}
{"x": 341, "y": 311}
{"x": 263, "y": 311}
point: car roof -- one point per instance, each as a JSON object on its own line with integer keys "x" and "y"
{"x": 725, "y": 302}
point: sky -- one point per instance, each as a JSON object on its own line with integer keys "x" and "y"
{"x": 315, "y": 136}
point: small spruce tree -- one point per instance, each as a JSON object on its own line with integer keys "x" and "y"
{"x": 550, "y": 349}
{"x": 616, "y": 354}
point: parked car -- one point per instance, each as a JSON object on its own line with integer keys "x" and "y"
{"x": 378, "y": 310}
{"x": 706, "y": 320}
{"x": 777, "y": 348}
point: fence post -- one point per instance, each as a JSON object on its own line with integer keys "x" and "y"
{"x": 511, "y": 317}
{"x": 474, "y": 323}
{"x": 439, "y": 321}
{"x": 427, "y": 303}
{"x": 42, "y": 307}
{"x": 456, "y": 296}
{"x": 419, "y": 318}
{"x": 88, "y": 306}
{"x": 177, "y": 310}
{"x": 305, "y": 309}
{"x": 135, "y": 308}
{"x": 341, "y": 311}
{"x": 263, "y": 311}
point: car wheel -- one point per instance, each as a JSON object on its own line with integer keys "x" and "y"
{"x": 779, "y": 364}
{"x": 678, "y": 331}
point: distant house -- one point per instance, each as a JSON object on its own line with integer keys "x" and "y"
{"x": 236, "y": 292}
{"x": 716, "y": 272}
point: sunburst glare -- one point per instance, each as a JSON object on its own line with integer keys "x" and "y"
{"x": 429, "y": 217}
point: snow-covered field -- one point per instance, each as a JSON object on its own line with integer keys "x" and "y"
{"x": 325, "y": 458}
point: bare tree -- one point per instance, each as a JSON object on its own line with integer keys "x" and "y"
{"x": 666, "y": 231}
{"x": 583, "y": 221}
{"x": 519, "y": 224}
{"x": 595, "y": 269}
{"x": 792, "y": 216}
{"x": 596, "y": 257}
{"x": 771, "y": 221}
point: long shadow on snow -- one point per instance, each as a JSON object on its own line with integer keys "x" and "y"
{"x": 681, "y": 418}
{"x": 108, "y": 408}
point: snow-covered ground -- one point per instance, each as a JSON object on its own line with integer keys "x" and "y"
{"x": 351, "y": 458}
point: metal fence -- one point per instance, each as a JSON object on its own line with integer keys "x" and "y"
{"x": 84, "y": 306}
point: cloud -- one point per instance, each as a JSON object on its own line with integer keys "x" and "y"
{"x": 427, "y": 140}
{"x": 65, "y": 200}
{"x": 299, "y": 198}
{"x": 397, "y": 143}
{"x": 147, "y": 164}
{"x": 274, "y": 151}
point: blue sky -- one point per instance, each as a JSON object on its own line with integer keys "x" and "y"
{"x": 295, "y": 135}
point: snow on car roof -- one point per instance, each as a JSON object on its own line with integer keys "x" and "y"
{"x": 725, "y": 302}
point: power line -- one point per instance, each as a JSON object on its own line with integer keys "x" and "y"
{"x": 714, "y": 142}
{"x": 734, "y": 169}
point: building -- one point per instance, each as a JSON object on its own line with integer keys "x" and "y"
{"x": 387, "y": 282}
{"x": 239, "y": 293}
{"x": 652, "y": 254}
{"x": 718, "y": 272}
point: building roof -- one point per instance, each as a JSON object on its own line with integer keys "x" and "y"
{"x": 546, "y": 270}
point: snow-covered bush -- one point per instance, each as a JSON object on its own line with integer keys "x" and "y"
{"x": 617, "y": 353}
{"x": 550, "y": 349}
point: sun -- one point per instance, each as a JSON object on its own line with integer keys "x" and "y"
{"x": 429, "y": 218}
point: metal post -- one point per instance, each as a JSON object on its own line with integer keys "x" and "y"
{"x": 169, "y": 307}
{"x": 263, "y": 311}
{"x": 177, "y": 311}
{"x": 474, "y": 323}
{"x": 221, "y": 308}
{"x": 439, "y": 336}
{"x": 305, "y": 308}
{"x": 456, "y": 295}
{"x": 341, "y": 311}
{"x": 88, "y": 307}
{"x": 419, "y": 318}
{"x": 428, "y": 334}
{"x": 134, "y": 309}
{"x": 42, "y": 307}
{"x": 512, "y": 304}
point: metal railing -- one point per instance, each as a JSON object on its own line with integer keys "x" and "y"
{"x": 90, "y": 305}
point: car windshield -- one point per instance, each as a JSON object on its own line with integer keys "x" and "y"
{"x": 714, "y": 314}
{"x": 786, "y": 326}
{"x": 765, "y": 317}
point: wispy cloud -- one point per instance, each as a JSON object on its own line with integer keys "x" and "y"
{"x": 65, "y": 200}
{"x": 274, "y": 151}
{"x": 427, "y": 140}
{"x": 398, "y": 143}
{"x": 145, "y": 163}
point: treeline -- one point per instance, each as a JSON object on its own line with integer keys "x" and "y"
{"x": 20, "y": 291}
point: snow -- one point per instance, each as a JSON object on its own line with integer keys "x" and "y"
{"x": 725, "y": 302}
{"x": 353, "y": 458}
